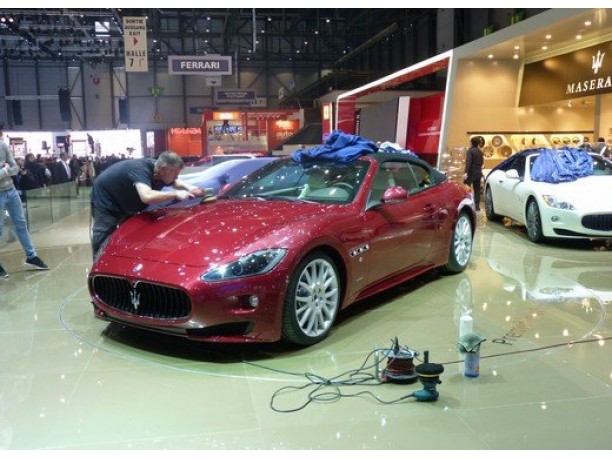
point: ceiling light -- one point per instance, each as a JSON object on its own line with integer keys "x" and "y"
{"x": 544, "y": 47}
{"x": 490, "y": 56}
{"x": 587, "y": 23}
{"x": 516, "y": 56}
{"x": 548, "y": 37}
{"x": 578, "y": 37}
{"x": 517, "y": 47}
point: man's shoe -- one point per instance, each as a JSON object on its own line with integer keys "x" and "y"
{"x": 37, "y": 263}
{"x": 3, "y": 273}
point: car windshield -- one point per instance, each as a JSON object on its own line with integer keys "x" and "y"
{"x": 601, "y": 166}
{"x": 319, "y": 181}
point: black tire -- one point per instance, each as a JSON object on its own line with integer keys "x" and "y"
{"x": 312, "y": 301}
{"x": 533, "y": 222}
{"x": 489, "y": 208}
{"x": 460, "y": 250}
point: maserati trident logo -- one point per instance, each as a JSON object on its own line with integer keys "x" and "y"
{"x": 135, "y": 298}
{"x": 597, "y": 61}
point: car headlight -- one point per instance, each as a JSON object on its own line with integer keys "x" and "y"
{"x": 255, "y": 263}
{"x": 552, "y": 201}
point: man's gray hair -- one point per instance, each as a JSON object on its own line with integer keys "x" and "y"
{"x": 169, "y": 158}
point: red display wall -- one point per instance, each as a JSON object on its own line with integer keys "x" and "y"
{"x": 327, "y": 115}
{"x": 281, "y": 130}
{"x": 424, "y": 123}
{"x": 185, "y": 141}
{"x": 346, "y": 115}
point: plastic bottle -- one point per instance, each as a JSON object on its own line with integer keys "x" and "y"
{"x": 471, "y": 367}
{"x": 466, "y": 324}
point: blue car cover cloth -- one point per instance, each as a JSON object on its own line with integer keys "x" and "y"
{"x": 339, "y": 147}
{"x": 389, "y": 147}
{"x": 563, "y": 165}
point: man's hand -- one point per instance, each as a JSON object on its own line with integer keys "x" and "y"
{"x": 199, "y": 192}
{"x": 183, "y": 195}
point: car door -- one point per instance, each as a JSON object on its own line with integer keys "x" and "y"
{"x": 509, "y": 185}
{"x": 402, "y": 231}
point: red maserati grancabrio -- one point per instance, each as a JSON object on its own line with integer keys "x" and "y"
{"x": 277, "y": 255}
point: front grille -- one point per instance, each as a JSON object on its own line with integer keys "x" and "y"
{"x": 601, "y": 222}
{"x": 143, "y": 299}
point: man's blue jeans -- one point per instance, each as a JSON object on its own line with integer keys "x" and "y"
{"x": 11, "y": 201}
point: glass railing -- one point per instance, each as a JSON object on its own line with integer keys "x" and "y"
{"x": 45, "y": 206}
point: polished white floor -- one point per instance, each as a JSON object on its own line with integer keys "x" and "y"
{"x": 70, "y": 381}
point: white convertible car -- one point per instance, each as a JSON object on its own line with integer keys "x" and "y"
{"x": 581, "y": 208}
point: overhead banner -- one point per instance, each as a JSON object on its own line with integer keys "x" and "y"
{"x": 200, "y": 65}
{"x": 240, "y": 97}
{"x": 585, "y": 72}
{"x": 135, "y": 44}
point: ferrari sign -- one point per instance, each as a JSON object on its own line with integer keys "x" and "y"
{"x": 135, "y": 43}
{"x": 210, "y": 65}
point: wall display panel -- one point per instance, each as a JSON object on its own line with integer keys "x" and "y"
{"x": 378, "y": 122}
{"x": 23, "y": 82}
{"x": 171, "y": 109}
{"x": 500, "y": 145}
{"x": 172, "y": 84}
{"x": 195, "y": 85}
{"x": 138, "y": 84}
{"x": 50, "y": 114}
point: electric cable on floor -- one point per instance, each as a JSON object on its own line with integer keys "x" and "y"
{"x": 335, "y": 384}
{"x": 541, "y": 348}
{"x": 353, "y": 378}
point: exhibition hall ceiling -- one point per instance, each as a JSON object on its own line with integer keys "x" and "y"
{"x": 267, "y": 35}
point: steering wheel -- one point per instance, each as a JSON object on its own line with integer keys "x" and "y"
{"x": 344, "y": 185}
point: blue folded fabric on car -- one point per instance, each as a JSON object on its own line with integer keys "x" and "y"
{"x": 563, "y": 165}
{"x": 396, "y": 148}
{"x": 339, "y": 147}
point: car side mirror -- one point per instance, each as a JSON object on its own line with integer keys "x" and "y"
{"x": 512, "y": 174}
{"x": 394, "y": 194}
{"x": 223, "y": 179}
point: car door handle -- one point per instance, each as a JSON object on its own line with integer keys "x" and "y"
{"x": 429, "y": 208}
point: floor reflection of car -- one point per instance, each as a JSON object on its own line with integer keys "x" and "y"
{"x": 550, "y": 275}
{"x": 216, "y": 177}
{"x": 280, "y": 253}
{"x": 575, "y": 209}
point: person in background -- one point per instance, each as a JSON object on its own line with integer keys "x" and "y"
{"x": 24, "y": 180}
{"x": 474, "y": 161}
{"x": 603, "y": 148}
{"x": 11, "y": 202}
{"x": 38, "y": 171}
{"x": 62, "y": 170}
{"x": 128, "y": 187}
{"x": 586, "y": 145}
{"x": 67, "y": 144}
{"x": 90, "y": 141}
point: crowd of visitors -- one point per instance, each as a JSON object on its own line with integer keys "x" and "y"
{"x": 40, "y": 171}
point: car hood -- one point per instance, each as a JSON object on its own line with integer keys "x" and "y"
{"x": 218, "y": 231}
{"x": 584, "y": 193}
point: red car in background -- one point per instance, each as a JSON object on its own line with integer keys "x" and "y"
{"x": 279, "y": 254}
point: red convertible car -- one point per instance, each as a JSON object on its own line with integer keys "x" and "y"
{"x": 277, "y": 255}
